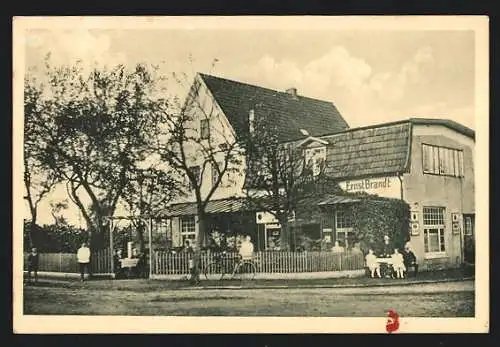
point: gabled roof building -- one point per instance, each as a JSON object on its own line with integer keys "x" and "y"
{"x": 429, "y": 163}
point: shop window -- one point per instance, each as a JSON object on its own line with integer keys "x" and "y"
{"x": 344, "y": 227}
{"x": 272, "y": 237}
{"x": 442, "y": 161}
{"x": 188, "y": 230}
{"x": 251, "y": 121}
{"x": 204, "y": 129}
{"x": 434, "y": 230}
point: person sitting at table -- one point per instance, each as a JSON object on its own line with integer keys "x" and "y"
{"x": 409, "y": 259}
{"x": 117, "y": 264}
{"x": 372, "y": 264}
{"x": 337, "y": 248}
{"x": 398, "y": 263}
{"x": 356, "y": 250}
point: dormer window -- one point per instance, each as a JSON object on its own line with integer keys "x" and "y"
{"x": 204, "y": 129}
{"x": 251, "y": 121}
{"x": 315, "y": 159}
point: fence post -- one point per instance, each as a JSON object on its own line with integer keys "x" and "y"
{"x": 60, "y": 262}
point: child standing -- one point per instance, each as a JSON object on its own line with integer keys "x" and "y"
{"x": 398, "y": 263}
{"x": 372, "y": 264}
{"x": 33, "y": 261}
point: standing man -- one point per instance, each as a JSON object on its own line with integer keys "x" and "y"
{"x": 83, "y": 255}
{"x": 33, "y": 260}
{"x": 246, "y": 249}
{"x": 387, "y": 249}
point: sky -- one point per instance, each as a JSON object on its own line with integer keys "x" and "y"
{"x": 372, "y": 76}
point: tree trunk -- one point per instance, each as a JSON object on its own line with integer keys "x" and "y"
{"x": 32, "y": 229}
{"x": 140, "y": 236}
{"x": 195, "y": 274}
{"x": 31, "y": 232}
{"x": 285, "y": 233}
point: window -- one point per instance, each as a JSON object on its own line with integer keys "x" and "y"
{"x": 251, "y": 121}
{"x": 315, "y": 160}
{"x": 204, "y": 129}
{"x": 344, "y": 227}
{"x": 468, "y": 226}
{"x": 215, "y": 173}
{"x": 188, "y": 230}
{"x": 196, "y": 172}
{"x": 442, "y": 161}
{"x": 434, "y": 230}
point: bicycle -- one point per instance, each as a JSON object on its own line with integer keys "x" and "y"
{"x": 218, "y": 268}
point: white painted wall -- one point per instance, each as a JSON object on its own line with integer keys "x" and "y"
{"x": 440, "y": 130}
{"x": 221, "y": 132}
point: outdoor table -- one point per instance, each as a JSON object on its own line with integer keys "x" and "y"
{"x": 129, "y": 263}
{"x": 387, "y": 269}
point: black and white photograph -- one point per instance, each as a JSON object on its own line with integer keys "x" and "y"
{"x": 250, "y": 174}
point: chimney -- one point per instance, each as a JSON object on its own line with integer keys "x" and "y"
{"x": 292, "y": 91}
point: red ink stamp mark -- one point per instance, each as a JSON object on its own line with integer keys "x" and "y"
{"x": 392, "y": 324}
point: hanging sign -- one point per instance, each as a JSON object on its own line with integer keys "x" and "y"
{"x": 265, "y": 218}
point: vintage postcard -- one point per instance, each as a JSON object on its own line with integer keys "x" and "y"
{"x": 305, "y": 174}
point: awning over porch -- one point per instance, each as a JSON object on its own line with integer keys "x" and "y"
{"x": 232, "y": 205}
{"x": 213, "y": 207}
{"x": 338, "y": 199}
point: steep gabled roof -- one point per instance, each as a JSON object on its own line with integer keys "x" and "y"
{"x": 371, "y": 151}
{"x": 292, "y": 113}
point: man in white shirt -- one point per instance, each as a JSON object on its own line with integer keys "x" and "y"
{"x": 83, "y": 256}
{"x": 246, "y": 249}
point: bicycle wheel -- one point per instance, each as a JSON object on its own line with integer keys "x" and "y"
{"x": 214, "y": 271}
{"x": 246, "y": 271}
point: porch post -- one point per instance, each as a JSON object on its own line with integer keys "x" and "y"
{"x": 150, "y": 247}
{"x": 111, "y": 227}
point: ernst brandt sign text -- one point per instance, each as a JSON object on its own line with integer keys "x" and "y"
{"x": 351, "y": 186}
{"x": 383, "y": 186}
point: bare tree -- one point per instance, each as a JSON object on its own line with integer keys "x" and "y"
{"x": 198, "y": 141}
{"x": 278, "y": 178}
{"x": 148, "y": 192}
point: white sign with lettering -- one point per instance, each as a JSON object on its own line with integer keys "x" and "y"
{"x": 389, "y": 187}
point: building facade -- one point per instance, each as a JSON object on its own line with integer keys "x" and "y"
{"x": 429, "y": 163}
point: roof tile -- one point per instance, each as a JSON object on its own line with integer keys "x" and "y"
{"x": 292, "y": 113}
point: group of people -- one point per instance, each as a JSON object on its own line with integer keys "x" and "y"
{"x": 397, "y": 266}
{"x": 82, "y": 255}
{"x": 139, "y": 270}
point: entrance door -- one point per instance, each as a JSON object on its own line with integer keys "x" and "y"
{"x": 469, "y": 238}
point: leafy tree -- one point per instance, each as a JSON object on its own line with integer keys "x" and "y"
{"x": 38, "y": 180}
{"x": 92, "y": 129}
{"x": 55, "y": 210}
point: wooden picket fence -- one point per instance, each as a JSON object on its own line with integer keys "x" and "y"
{"x": 168, "y": 263}
{"x": 67, "y": 262}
